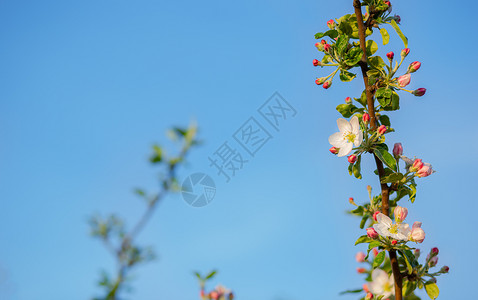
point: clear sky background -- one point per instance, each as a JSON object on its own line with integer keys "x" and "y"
{"x": 86, "y": 87}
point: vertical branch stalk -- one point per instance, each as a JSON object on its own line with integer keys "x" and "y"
{"x": 373, "y": 125}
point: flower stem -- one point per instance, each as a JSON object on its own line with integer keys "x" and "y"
{"x": 373, "y": 124}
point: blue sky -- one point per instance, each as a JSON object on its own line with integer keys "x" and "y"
{"x": 88, "y": 87}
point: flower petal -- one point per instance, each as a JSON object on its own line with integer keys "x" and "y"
{"x": 355, "y": 125}
{"x": 337, "y": 139}
{"x": 381, "y": 229}
{"x": 345, "y": 149}
{"x": 344, "y": 125}
{"x": 358, "y": 139}
{"x": 383, "y": 219}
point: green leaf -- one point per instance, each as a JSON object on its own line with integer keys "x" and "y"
{"x": 330, "y": 33}
{"x": 386, "y": 158}
{"x": 211, "y": 275}
{"x": 378, "y": 260}
{"x": 157, "y": 155}
{"x": 346, "y": 76}
{"x": 341, "y": 44}
{"x": 353, "y": 56}
{"x": 394, "y": 102}
{"x": 399, "y": 32}
{"x": 358, "y": 211}
{"x": 345, "y": 27}
{"x": 198, "y": 275}
{"x": 347, "y": 110}
{"x": 356, "y": 168}
{"x": 352, "y": 291}
{"x": 363, "y": 239}
{"x": 362, "y": 223}
{"x": 385, "y": 35}
{"x": 432, "y": 290}
{"x": 363, "y": 99}
{"x": 350, "y": 169}
{"x": 139, "y": 192}
{"x": 376, "y": 62}
{"x": 371, "y": 47}
{"x": 392, "y": 178}
{"x": 373, "y": 245}
{"x": 407, "y": 262}
{"x": 383, "y": 96}
{"x": 384, "y": 120}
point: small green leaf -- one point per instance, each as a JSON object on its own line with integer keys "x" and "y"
{"x": 211, "y": 275}
{"x": 371, "y": 47}
{"x": 383, "y": 96}
{"x": 356, "y": 168}
{"x": 432, "y": 290}
{"x": 330, "y": 33}
{"x": 392, "y": 178}
{"x": 358, "y": 211}
{"x": 347, "y": 110}
{"x": 352, "y": 291}
{"x": 373, "y": 245}
{"x": 384, "y": 120}
{"x": 385, "y": 35}
{"x": 399, "y": 32}
{"x": 341, "y": 44}
{"x": 376, "y": 62}
{"x": 378, "y": 260}
{"x": 353, "y": 56}
{"x": 386, "y": 158}
{"x": 407, "y": 262}
{"x": 363, "y": 239}
{"x": 362, "y": 223}
{"x": 346, "y": 76}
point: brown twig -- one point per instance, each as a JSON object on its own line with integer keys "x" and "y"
{"x": 373, "y": 125}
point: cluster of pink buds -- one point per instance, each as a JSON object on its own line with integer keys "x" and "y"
{"x": 421, "y": 169}
{"x": 219, "y": 293}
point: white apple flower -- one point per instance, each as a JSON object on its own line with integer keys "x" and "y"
{"x": 385, "y": 227}
{"x": 349, "y": 135}
{"x": 382, "y": 284}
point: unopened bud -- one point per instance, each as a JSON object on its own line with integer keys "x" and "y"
{"x": 319, "y": 46}
{"x": 445, "y": 269}
{"x": 404, "y": 80}
{"x": 327, "y": 84}
{"x": 417, "y": 165}
{"x": 382, "y": 129}
{"x": 331, "y": 24}
{"x": 405, "y": 52}
{"x": 316, "y": 62}
{"x": 425, "y": 171}
{"x": 369, "y": 296}
{"x": 434, "y": 251}
{"x": 414, "y": 66}
{"x": 334, "y": 150}
{"x": 416, "y": 253}
{"x": 351, "y": 201}
{"x": 419, "y": 92}
{"x": 352, "y": 158}
{"x": 366, "y": 118}
{"x": 360, "y": 256}
{"x": 371, "y": 233}
{"x": 433, "y": 261}
{"x": 397, "y": 150}
{"x": 390, "y": 55}
{"x": 397, "y": 19}
{"x": 375, "y": 215}
{"x": 361, "y": 270}
{"x": 394, "y": 242}
{"x": 400, "y": 213}
{"x": 327, "y": 47}
{"x": 320, "y": 81}
{"x": 417, "y": 234}
{"x": 348, "y": 100}
{"x": 214, "y": 295}
{"x": 375, "y": 251}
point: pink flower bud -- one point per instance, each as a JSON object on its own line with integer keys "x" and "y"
{"x": 397, "y": 19}
{"x": 214, "y": 295}
{"x": 327, "y": 84}
{"x": 400, "y": 213}
{"x": 417, "y": 165}
{"x": 433, "y": 261}
{"x": 202, "y": 294}
{"x": 394, "y": 242}
{"x": 316, "y": 62}
{"x": 361, "y": 270}
{"x": 319, "y": 46}
{"x": 375, "y": 215}
{"x": 371, "y": 233}
{"x": 445, "y": 269}
{"x": 320, "y": 81}
{"x": 366, "y": 118}
{"x": 375, "y": 251}
{"x": 419, "y": 92}
{"x": 425, "y": 170}
{"x": 390, "y": 55}
{"x": 334, "y": 150}
{"x": 326, "y": 47}
{"x": 434, "y": 251}
{"x": 331, "y": 24}
{"x": 369, "y": 296}
{"x": 414, "y": 66}
{"x": 348, "y": 100}
{"x": 404, "y": 80}
{"x": 382, "y": 129}
{"x": 397, "y": 149}
{"x": 417, "y": 235}
{"x": 360, "y": 257}
{"x": 352, "y": 158}
{"x": 365, "y": 288}
{"x": 405, "y": 52}
{"x": 323, "y": 42}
